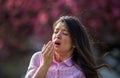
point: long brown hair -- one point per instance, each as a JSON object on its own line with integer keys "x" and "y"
{"x": 82, "y": 55}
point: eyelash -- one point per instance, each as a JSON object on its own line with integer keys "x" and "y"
{"x": 64, "y": 33}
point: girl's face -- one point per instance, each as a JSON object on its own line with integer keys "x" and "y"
{"x": 61, "y": 38}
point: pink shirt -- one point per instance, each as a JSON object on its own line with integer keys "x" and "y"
{"x": 57, "y": 70}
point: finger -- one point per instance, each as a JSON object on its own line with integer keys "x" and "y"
{"x": 48, "y": 44}
{"x": 45, "y": 46}
{"x": 51, "y": 50}
{"x": 49, "y": 47}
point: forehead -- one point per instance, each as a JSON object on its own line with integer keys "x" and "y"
{"x": 61, "y": 25}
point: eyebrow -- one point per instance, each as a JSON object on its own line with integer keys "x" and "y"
{"x": 63, "y": 29}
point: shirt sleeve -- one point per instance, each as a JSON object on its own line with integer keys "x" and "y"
{"x": 34, "y": 64}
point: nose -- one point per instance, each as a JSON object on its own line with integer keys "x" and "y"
{"x": 58, "y": 35}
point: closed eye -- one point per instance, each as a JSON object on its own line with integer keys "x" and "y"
{"x": 65, "y": 33}
{"x": 55, "y": 32}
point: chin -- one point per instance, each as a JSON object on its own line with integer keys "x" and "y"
{"x": 57, "y": 50}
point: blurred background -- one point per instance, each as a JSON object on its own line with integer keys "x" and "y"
{"x": 25, "y": 25}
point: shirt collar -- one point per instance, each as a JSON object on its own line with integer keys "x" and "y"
{"x": 67, "y": 62}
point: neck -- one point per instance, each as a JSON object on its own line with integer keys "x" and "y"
{"x": 60, "y": 57}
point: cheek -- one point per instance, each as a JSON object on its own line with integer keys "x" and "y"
{"x": 68, "y": 42}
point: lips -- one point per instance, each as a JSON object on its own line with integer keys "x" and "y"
{"x": 57, "y": 43}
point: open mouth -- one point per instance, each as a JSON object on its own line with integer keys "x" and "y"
{"x": 57, "y": 43}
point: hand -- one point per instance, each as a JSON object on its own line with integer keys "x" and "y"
{"x": 47, "y": 57}
{"x": 47, "y": 54}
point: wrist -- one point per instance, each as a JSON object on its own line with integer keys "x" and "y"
{"x": 41, "y": 72}
{"x": 44, "y": 67}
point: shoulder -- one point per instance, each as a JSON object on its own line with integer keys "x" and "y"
{"x": 36, "y": 54}
{"x": 36, "y": 58}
